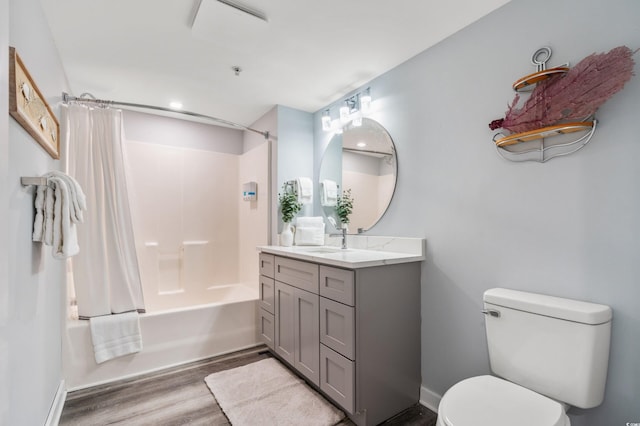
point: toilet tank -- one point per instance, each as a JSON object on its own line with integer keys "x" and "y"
{"x": 554, "y": 346}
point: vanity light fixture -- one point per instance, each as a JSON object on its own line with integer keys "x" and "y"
{"x": 351, "y": 111}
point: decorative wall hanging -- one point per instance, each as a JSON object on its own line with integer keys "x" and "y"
{"x": 563, "y": 101}
{"x": 28, "y": 107}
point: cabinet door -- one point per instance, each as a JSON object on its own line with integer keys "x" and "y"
{"x": 266, "y": 324}
{"x": 267, "y": 293}
{"x": 337, "y": 327}
{"x": 307, "y": 334}
{"x": 337, "y": 378}
{"x": 284, "y": 322}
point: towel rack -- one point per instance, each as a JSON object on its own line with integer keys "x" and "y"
{"x": 27, "y": 181}
{"x": 291, "y": 186}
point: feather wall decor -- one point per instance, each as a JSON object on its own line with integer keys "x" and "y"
{"x": 573, "y": 96}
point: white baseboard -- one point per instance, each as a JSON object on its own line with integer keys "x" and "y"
{"x": 56, "y": 407}
{"x": 429, "y": 399}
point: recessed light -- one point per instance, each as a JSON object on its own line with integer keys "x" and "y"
{"x": 176, "y": 105}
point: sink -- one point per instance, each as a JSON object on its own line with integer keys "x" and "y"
{"x": 323, "y": 250}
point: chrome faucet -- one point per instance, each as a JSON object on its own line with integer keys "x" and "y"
{"x": 344, "y": 237}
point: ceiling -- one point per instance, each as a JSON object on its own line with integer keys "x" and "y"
{"x": 306, "y": 55}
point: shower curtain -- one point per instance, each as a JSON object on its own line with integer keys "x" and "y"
{"x": 105, "y": 272}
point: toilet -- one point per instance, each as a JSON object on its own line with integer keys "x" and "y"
{"x": 547, "y": 354}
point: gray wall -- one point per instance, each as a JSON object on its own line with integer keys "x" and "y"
{"x": 32, "y": 282}
{"x": 569, "y": 227}
{"x": 294, "y": 150}
{"x": 5, "y": 385}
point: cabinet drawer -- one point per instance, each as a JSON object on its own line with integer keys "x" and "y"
{"x": 337, "y": 377}
{"x": 299, "y": 274}
{"x": 337, "y": 327}
{"x": 267, "y": 293}
{"x": 266, "y": 327}
{"x": 267, "y": 265}
{"x": 337, "y": 284}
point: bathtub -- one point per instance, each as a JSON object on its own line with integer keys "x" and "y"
{"x": 226, "y": 323}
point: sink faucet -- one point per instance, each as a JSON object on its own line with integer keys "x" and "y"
{"x": 343, "y": 234}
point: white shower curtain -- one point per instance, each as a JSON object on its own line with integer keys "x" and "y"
{"x": 105, "y": 272}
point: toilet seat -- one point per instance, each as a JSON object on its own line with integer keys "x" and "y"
{"x": 491, "y": 401}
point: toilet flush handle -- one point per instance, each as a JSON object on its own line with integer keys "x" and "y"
{"x": 494, "y": 313}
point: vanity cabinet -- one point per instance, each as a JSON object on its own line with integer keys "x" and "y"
{"x": 266, "y": 312}
{"x": 354, "y": 334}
{"x": 297, "y": 304}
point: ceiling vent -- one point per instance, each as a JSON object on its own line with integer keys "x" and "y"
{"x": 227, "y": 22}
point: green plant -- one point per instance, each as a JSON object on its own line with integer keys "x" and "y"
{"x": 344, "y": 206}
{"x": 289, "y": 205}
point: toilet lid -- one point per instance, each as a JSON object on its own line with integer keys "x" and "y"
{"x": 488, "y": 400}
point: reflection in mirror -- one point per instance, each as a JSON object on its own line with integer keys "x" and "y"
{"x": 362, "y": 159}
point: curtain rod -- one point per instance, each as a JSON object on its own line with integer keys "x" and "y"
{"x": 66, "y": 98}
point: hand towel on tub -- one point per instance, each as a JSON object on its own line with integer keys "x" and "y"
{"x": 329, "y": 194}
{"x": 305, "y": 190}
{"x": 115, "y": 335}
{"x": 309, "y": 231}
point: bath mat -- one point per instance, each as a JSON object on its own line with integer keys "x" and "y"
{"x": 267, "y": 393}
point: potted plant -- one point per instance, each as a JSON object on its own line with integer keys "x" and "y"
{"x": 289, "y": 206}
{"x": 344, "y": 207}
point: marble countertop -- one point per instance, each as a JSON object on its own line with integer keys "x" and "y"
{"x": 366, "y": 252}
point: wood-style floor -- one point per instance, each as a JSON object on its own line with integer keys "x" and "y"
{"x": 179, "y": 396}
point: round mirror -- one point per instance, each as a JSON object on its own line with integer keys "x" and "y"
{"x": 362, "y": 159}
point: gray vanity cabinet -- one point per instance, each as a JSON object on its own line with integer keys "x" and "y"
{"x": 266, "y": 312}
{"x": 354, "y": 333}
{"x": 297, "y": 305}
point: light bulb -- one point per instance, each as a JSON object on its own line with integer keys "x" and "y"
{"x": 365, "y": 101}
{"x": 344, "y": 113}
{"x": 176, "y": 105}
{"x": 326, "y": 121}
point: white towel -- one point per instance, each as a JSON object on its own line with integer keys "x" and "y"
{"x": 329, "y": 194}
{"x": 38, "y": 223}
{"x": 77, "y": 197}
{"x": 309, "y": 231}
{"x": 59, "y": 206}
{"x": 305, "y": 190}
{"x": 115, "y": 335}
{"x": 65, "y": 236}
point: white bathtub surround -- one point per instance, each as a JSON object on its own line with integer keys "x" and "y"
{"x": 171, "y": 337}
{"x": 105, "y": 273}
{"x": 115, "y": 335}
